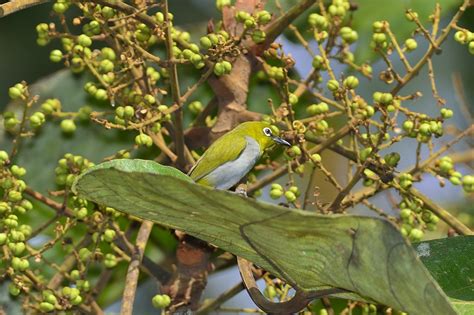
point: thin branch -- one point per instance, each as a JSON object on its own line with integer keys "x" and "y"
{"x": 131, "y": 280}
{"x": 444, "y": 34}
{"x": 18, "y": 5}
{"x": 176, "y": 95}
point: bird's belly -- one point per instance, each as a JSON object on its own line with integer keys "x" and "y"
{"x": 230, "y": 173}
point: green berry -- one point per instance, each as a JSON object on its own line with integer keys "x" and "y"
{"x": 144, "y": 139}
{"x": 290, "y": 196}
{"x": 106, "y": 66}
{"x": 227, "y": 66}
{"x": 276, "y": 193}
{"x": 56, "y": 55}
{"x": 195, "y": 107}
{"x": 161, "y": 301}
{"x": 17, "y": 171}
{"x": 468, "y": 183}
{"x": 128, "y": 112}
{"x": 333, "y": 85}
{"x": 219, "y": 69}
{"x": 110, "y": 260}
{"x": 293, "y": 99}
{"x": 14, "y": 196}
{"x": 415, "y": 235}
{"x": 411, "y": 44}
{"x": 258, "y": 36}
{"x": 101, "y": 95}
{"x": 446, "y": 113}
{"x": 408, "y": 125}
{"x": 351, "y": 82}
{"x": 405, "y": 213}
{"x": 84, "y": 254}
{"x": 15, "y": 92}
{"x": 461, "y": 37}
{"x": 3, "y": 156}
{"x": 264, "y": 17}
{"x": 392, "y": 159}
{"x": 377, "y": 26}
{"x": 84, "y": 40}
{"x": 205, "y": 42}
{"x": 318, "y": 63}
{"x": 470, "y": 47}
{"x": 68, "y": 126}
{"x": 379, "y": 38}
{"x": 108, "y": 53}
{"x": 386, "y": 98}
{"x": 13, "y": 289}
{"x": 317, "y": 20}
{"x": 109, "y": 235}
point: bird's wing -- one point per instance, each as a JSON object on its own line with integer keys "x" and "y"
{"x": 218, "y": 153}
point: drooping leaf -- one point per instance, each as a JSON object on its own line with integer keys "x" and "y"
{"x": 364, "y": 255}
{"x": 450, "y": 262}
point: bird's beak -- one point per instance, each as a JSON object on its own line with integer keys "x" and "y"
{"x": 281, "y": 141}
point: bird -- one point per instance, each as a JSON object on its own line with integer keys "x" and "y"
{"x": 234, "y": 154}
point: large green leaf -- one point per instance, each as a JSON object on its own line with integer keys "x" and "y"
{"x": 450, "y": 261}
{"x": 360, "y": 254}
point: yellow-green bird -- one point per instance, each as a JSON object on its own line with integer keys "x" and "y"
{"x": 234, "y": 154}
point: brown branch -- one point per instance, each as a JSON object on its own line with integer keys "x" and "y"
{"x": 447, "y": 217}
{"x": 176, "y": 95}
{"x": 298, "y": 302}
{"x": 131, "y": 280}
{"x": 18, "y": 5}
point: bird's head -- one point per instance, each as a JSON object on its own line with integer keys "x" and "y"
{"x": 261, "y": 132}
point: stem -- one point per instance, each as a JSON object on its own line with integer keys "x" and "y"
{"x": 131, "y": 280}
{"x": 411, "y": 74}
{"x": 175, "y": 93}
{"x": 442, "y": 213}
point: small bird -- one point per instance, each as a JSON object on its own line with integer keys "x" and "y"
{"x": 233, "y": 155}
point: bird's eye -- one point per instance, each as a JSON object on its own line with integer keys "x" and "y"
{"x": 267, "y": 131}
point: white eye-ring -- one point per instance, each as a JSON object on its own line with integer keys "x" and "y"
{"x": 267, "y": 131}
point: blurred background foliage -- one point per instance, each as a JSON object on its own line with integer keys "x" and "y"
{"x": 21, "y": 59}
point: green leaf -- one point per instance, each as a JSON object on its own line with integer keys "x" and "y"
{"x": 450, "y": 262}
{"x": 364, "y": 255}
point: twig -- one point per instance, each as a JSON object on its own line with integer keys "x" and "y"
{"x": 18, "y": 5}
{"x": 131, "y": 280}
{"x": 444, "y": 34}
{"x": 175, "y": 93}
{"x": 216, "y": 303}
{"x": 447, "y": 217}
{"x": 298, "y": 302}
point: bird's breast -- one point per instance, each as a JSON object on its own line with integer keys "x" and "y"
{"x": 230, "y": 173}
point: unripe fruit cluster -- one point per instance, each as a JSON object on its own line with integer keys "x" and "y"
{"x": 465, "y": 37}
{"x": 276, "y": 191}
{"x": 69, "y": 167}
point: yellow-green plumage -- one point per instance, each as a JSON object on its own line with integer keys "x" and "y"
{"x": 231, "y": 156}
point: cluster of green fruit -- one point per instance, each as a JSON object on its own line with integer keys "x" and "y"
{"x": 423, "y": 128}
{"x": 445, "y": 167}
{"x": 465, "y": 37}
{"x": 415, "y": 218}
{"x": 253, "y": 23}
{"x": 291, "y": 194}
{"x": 69, "y": 167}
{"x": 13, "y": 234}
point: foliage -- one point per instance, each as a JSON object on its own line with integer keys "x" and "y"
{"x": 146, "y": 84}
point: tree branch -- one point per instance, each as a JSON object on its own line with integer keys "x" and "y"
{"x": 18, "y": 5}
{"x": 131, "y": 280}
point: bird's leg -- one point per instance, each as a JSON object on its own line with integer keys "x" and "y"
{"x": 241, "y": 190}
